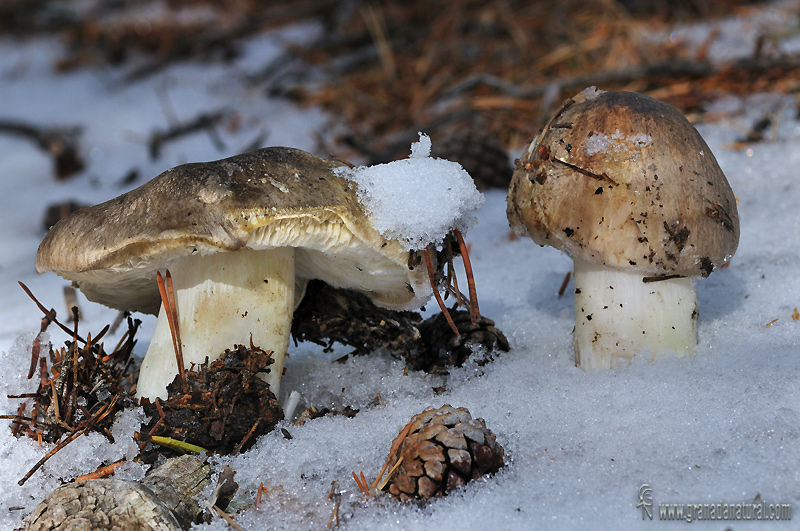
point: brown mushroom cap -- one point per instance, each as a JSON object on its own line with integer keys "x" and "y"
{"x": 273, "y": 197}
{"x": 623, "y": 179}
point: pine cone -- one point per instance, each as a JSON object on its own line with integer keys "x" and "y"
{"x": 444, "y": 449}
{"x": 327, "y": 314}
{"x": 440, "y": 348}
{"x": 483, "y": 156}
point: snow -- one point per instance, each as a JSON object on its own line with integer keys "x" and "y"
{"x": 737, "y": 36}
{"x": 417, "y": 200}
{"x": 421, "y": 149}
{"x": 589, "y": 93}
{"x": 618, "y": 146}
{"x": 722, "y": 425}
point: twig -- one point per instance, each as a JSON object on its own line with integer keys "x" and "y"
{"x": 194, "y": 41}
{"x": 73, "y": 402}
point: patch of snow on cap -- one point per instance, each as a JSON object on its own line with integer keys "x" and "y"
{"x": 416, "y": 200}
{"x": 619, "y": 146}
{"x": 588, "y": 93}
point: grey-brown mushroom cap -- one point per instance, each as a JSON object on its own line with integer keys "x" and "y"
{"x": 273, "y": 197}
{"x": 622, "y": 179}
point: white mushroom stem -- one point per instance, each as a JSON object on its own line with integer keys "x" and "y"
{"x": 618, "y": 315}
{"x": 222, "y": 299}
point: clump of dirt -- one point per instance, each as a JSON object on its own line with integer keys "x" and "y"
{"x": 224, "y": 406}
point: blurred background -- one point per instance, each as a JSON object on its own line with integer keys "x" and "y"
{"x": 475, "y": 75}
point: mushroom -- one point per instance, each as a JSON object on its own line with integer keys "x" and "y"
{"x": 630, "y": 190}
{"x": 241, "y": 237}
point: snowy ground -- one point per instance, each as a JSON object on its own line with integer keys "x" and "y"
{"x": 720, "y": 426}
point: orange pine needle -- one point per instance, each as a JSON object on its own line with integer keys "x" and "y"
{"x": 35, "y": 348}
{"x": 108, "y": 409}
{"x": 396, "y": 446}
{"x": 438, "y": 297}
{"x": 261, "y": 490}
{"x": 361, "y": 486}
{"x": 170, "y": 309}
{"x": 392, "y": 470}
{"x": 179, "y": 353}
{"x": 16, "y": 425}
{"x": 102, "y": 472}
{"x": 564, "y": 284}
{"x": 474, "y": 311}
